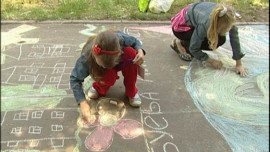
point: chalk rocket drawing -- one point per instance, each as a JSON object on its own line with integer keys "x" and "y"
{"x": 91, "y": 30}
{"x": 236, "y": 107}
{"x": 109, "y": 121}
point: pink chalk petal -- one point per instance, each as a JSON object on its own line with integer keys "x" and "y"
{"x": 100, "y": 139}
{"x": 128, "y": 129}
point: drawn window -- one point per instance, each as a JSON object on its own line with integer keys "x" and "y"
{"x": 12, "y": 143}
{"x": 21, "y": 116}
{"x": 55, "y": 79}
{"x": 57, "y": 127}
{"x": 60, "y": 65}
{"x": 32, "y": 54}
{"x": 34, "y": 130}
{"x": 65, "y": 49}
{"x": 57, "y": 143}
{"x": 57, "y": 114}
{"x": 60, "y": 49}
{"x": 47, "y": 51}
{"x": 26, "y": 78}
{"x": 58, "y": 70}
{"x": 16, "y": 130}
{"x": 57, "y": 51}
{"x": 37, "y": 114}
{"x": 37, "y": 65}
{"x": 31, "y": 70}
{"x": 57, "y": 46}
{"x": 38, "y": 46}
{"x": 34, "y": 143}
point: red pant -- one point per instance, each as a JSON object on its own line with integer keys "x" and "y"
{"x": 129, "y": 71}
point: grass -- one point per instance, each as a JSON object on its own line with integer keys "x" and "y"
{"x": 103, "y": 9}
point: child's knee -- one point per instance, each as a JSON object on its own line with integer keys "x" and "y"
{"x": 129, "y": 53}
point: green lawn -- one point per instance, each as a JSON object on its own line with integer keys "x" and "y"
{"x": 103, "y": 9}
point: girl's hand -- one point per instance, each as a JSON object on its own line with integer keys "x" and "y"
{"x": 85, "y": 110}
{"x": 215, "y": 63}
{"x": 240, "y": 69}
{"x": 139, "y": 58}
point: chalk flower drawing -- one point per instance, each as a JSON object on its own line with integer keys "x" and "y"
{"x": 109, "y": 122}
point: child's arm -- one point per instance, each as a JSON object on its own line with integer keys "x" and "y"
{"x": 127, "y": 40}
{"x": 86, "y": 114}
{"x": 237, "y": 53}
{"x": 78, "y": 74}
{"x": 235, "y": 44}
{"x": 139, "y": 58}
{"x": 240, "y": 69}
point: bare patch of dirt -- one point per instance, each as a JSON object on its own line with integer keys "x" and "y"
{"x": 255, "y": 15}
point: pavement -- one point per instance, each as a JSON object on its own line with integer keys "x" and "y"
{"x": 39, "y": 112}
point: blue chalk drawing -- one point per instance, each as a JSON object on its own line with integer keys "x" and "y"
{"x": 238, "y": 108}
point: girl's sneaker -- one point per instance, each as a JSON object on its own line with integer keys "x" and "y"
{"x": 135, "y": 101}
{"x": 92, "y": 93}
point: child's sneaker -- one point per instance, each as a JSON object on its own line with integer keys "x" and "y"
{"x": 92, "y": 93}
{"x": 135, "y": 101}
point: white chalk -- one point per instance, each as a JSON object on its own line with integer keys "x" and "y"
{"x": 113, "y": 102}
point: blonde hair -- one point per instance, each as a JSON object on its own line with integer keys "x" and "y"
{"x": 106, "y": 40}
{"x": 221, "y": 21}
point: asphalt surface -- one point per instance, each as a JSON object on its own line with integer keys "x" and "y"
{"x": 39, "y": 112}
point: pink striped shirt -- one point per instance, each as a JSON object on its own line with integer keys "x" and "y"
{"x": 179, "y": 21}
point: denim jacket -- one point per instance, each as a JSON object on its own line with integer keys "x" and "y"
{"x": 198, "y": 16}
{"x": 82, "y": 67}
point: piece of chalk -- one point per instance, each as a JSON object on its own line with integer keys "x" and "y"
{"x": 113, "y": 102}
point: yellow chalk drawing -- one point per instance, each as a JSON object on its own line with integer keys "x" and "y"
{"x": 184, "y": 67}
{"x": 13, "y": 36}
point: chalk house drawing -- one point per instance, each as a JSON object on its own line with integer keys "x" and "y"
{"x": 42, "y": 82}
{"x": 109, "y": 121}
{"x": 28, "y": 129}
{"x": 36, "y": 72}
{"x": 236, "y": 107}
{"x": 30, "y": 91}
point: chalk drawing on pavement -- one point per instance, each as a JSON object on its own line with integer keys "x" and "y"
{"x": 13, "y": 36}
{"x": 152, "y": 118}
{"x": 165, "y": 29}
{"x": 34, "y": 133}
{"x": 155, "y": 125}
{"x": 110, "y": 121}
{"x": 236, "y": 107}
{"x": 31, "y": 89}
{"x": 91, "y": 30}
{"x": 35, "y": 82}
{"x": 106, "y": 125}
{"x": 239, "y": 127}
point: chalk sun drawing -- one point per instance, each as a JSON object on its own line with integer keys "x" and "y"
{"x": 236, "y": 107}
{"x": 109, "y": 121}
